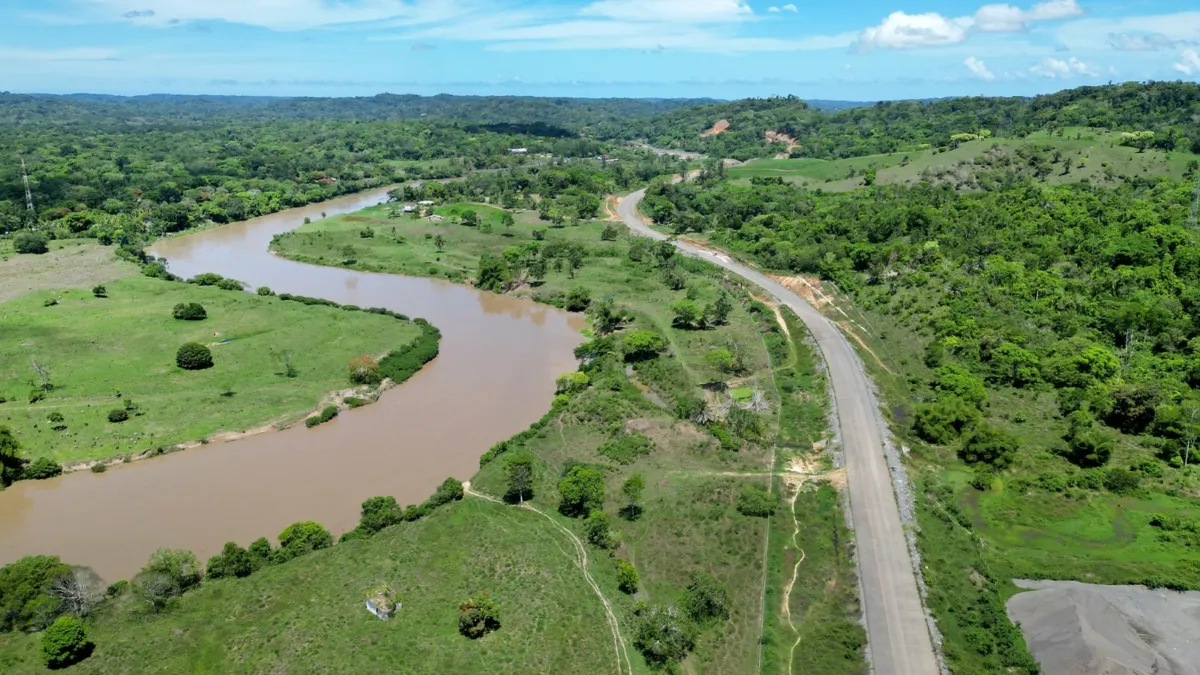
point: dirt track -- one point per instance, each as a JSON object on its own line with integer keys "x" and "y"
{"x": 898, "y": 637}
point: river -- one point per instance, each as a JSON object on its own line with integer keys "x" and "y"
{"x": 494, "y": 376}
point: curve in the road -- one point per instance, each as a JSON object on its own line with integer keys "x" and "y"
{"x": 897, "y": 633}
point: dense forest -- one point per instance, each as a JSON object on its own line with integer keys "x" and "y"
{"x": 1170, "y": 110}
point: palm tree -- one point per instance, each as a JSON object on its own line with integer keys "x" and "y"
{"x": 439, "y": 241}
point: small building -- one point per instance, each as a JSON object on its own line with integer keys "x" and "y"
{"x": 382, "y": 602}
{"x": 409, "y": 208}
{"x": 518, "y": 151}
{"x": 425, "y": 202}
{"x": 435, "y": 218}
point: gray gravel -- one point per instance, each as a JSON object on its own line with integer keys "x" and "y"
{"x": 1073, "y": 628}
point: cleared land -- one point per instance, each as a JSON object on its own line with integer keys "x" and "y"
{"x": 71, "y": 263}
{"x": 1093, "y": 155}
{"x": 105, "y": 354}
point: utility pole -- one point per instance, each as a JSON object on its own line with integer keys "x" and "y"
{"x": 28, "y": 194}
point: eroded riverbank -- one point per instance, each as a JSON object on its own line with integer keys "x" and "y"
{"x": 494, "y": 376}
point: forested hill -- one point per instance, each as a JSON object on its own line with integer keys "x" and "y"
{"x": 1171, "y": 110}
{"x": 92, "y": 109}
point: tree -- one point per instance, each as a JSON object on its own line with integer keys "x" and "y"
{"x": 493, "y": 273}
{"x": 265, "y": 291}
{"x": 11, "y": 463}
{"x": 154, "y": 589}
{"x": 507, "y": 220}
{"x": 31, "y": 242}
{"x": 718, "y": 312}
{"x": 1014, "y": 365}
{"x": 663, "y": 636}
{"x": 301, "y": 538}
{"x": 688, "y": 314}
{"x": 78, "y": 590}
{"x": 284, "y": 357}
{"x": 519, "y": 475}
{"x": 632, "y": 491}
{"x": 260, "y": 553}
{"x": 537, "y": 269}
{"x": 232, "y": 561}
{"x": 756, "y": 501}
{"x": 117, "y": 416}
{"x": 478, "y": 616}
{"x": 25, "y": 589}
{"x": 988, "y": 445}
{"x": 378, "y": 513}
{"x": 42, "y": 468}
{"x": 439, "y": 242}
{"x": 642, "y": 345}
{"x": 194, "y": 356}
{"x": 1086, "y": 446}
{"x": 954, "y": 380}
{"x": 65, "y": 643}
{"x": 609, "y": 233}
{"x": 364, "y": 370}
{"x": 99, "y": 291}
{"x": 571, "y": 383}
{"x": 627, "y": 576}
{"x": 581, "y": 490}
{"x": 704, "y": 599}
{"x": 180, "y": 564}
{"x": 944, "y": 420}
{"x": 578, "y": 299}
{"x": 720, "y": 359}
{"x": 598, "y": 529}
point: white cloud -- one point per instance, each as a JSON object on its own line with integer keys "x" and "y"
{"x": 1053, "y": 10}
{"x": 906, "y": 31}
{"x": 1134, "y": 33}
{"x": 979, "y": 69}
{"x": 999, "y": 19}
{"x": 773, "y": 10}
{"x": 78, "y": 54}
{"x": 1055, "y": 68}
{"x": 1189, "y": 62}
{"x": 670, "y": 11}
{"x": 277, "y": 14}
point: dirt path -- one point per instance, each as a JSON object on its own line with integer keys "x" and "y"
{"x": 581, "y": 561}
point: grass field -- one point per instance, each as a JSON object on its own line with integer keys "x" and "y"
{"x": 103, "y": 353}
{"x": 71, "y": 263}
{"x": 408, "y": 245}
{"x": 1092, "y": 154}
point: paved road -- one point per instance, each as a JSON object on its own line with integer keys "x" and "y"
{"x": 898, "y": 637}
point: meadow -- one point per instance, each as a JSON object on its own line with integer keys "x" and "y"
{"x": 118, "y": 352}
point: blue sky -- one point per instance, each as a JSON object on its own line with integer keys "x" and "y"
{"x": 856, "y": 49}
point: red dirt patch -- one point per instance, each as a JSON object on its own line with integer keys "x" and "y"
{"x": 720, "y": 127}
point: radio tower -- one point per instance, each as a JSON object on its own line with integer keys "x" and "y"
{"x": 28, "y": 194}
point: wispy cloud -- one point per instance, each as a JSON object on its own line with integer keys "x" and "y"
{"x": 1189, "y": 62}
{"x": 1132, "y": 33}
{"x": 901, "y": 30}
{"x": 979, "y": 69}
{"x": 78, "y": 54}
{"x": 278, "y": 14}
{"x": 670, "y": 11}
{"x": 1056, "y": 68}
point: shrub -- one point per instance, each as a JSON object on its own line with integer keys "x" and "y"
{"x": 194, "y": 356}
{"x": 232, "y": 561}
{"x": 1121, "y": 481}
{"x": 578, "y": 299}
{"x": 988, "y": 445}
{"x": 478, "y": 616}
{"x": 117, "y": 416}
{"x": 99, "y": 467}
{"x": 756, "y": 501}
{"x": 181, "y": 565}
{"x": 609, "y": 233}
{"x": 42, "y": 468}
{"x": 265, "y": 291}
{"x": 327, "y": 413}
{"x": 65, "y": 643}
{"x": 189, "y": 311}
{"x": 627, "y": 448}
{"x": 260, "y": 553}
{"x": 206, "y": 279}
{"x": 720, "y": 359}
{"x": 353, "y": 402}
{"x": 230, "y": 285}
{"x": 31, "y": 242}
{"x": 641, "y": 345}
{"x": 571, "y": 383}
{"x": 100, "y": 291}
{"x": 401, "y": 364}
{"x": 598, "y": 529}
{"x": 301, "y": 538}
{"x": 581, "y": 490}
{"x": 705, "y": 598}
{"x": 957, "y": 381}
{"x": 627, "y": 576}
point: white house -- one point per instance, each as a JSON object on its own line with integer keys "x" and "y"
{"x": 518, "y": 151}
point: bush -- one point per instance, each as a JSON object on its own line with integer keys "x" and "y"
{"x": 327, "y": 413}
{"x": 364, "y": 370}
{"x": 232, "y": 561}
{"x": 627, "y": 448}
{"x": 1121, "y": 481}
{"x": 117, "y": 416}
{"x": 65, "y": 643}
{"x": 705, "y": 598}
{"x": 578, "y": 299}
{"x": 265, "y": 291}
{"x": 31, "y": 242}
{"x": 353, "y": 402}
{"x": 400, "y": 365}
{"x": 756, "y": 501}
{"x": 194, "y": 356}
{"x": 206, "y": 279}
{"x": 100, "y": 291}
{"x": 627, "y": 576}
{"x": 478, "y": 616}
{"x": 957, "y": 381}
{"x": 42, "y": 468}
{"x": 571, "y": 383}
{"x": 301, "y": 538}
{"x": 581, "y": 490}
{"x": 988, "y": 445}
{"x": 230, "y": 285}
{"x": 181, "y": 565}
{"x": 598, "y": 529}
{"x": 641, "y": 345}
{"x": 189, "y": 311}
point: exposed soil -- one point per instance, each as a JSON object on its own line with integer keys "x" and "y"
{"x": 1074, "y": 628}
{"x": 777, "y": 137}
{"x": 720, "y": 127}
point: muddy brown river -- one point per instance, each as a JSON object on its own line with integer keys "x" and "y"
{"x": 494, "y": 376}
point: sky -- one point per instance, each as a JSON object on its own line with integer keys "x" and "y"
{"x": 861, "y": 50}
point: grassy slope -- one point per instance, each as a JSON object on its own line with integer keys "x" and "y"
{"x": 1095, "y": 148}
{"x": 556, "y": 623}
{"x": 71, "y": 263}
{"x": 97, "y": 347}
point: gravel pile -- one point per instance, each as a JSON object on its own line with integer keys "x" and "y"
{"x": 1073, "y": 628}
